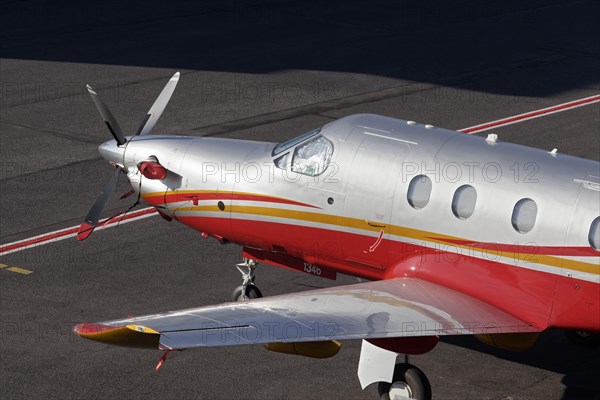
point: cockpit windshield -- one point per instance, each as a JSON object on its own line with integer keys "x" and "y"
{"x": 283, "y": 146}
{"x": 310, "y": 156}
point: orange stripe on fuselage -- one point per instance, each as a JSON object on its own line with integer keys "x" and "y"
{"x": 200, "y": 195}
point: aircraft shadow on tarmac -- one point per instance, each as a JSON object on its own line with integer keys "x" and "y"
{"x": 553, "y": 352}
{"x": 443, "y": 43}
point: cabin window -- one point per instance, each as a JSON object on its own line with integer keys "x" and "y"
{"x": 312, "y": 157}
{"x": 282, "y": 162}
{"x": 524, "y": 215}
{"x": 419, "y": 191}
{"x": 463, "y": 202}
{"x": 283, "y": 146}
{"x": 594, "y": 235}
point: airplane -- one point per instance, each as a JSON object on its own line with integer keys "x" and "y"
{"x": 450, "y": 233}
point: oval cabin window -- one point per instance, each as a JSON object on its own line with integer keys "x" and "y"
{"x": 419, "y": 191}
{"x": 524, "y": 215}
{"x": 463, "y": 202}
{"x": 594, "y": 235}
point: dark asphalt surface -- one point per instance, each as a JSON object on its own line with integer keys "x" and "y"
{"x": 261, "y": 71}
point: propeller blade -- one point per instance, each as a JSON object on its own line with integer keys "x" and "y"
{"x": 159, "y": 106}
{"x": 126, "y": 195}
{"x": 93, "y": 216}
{"x": 109, "y": 120}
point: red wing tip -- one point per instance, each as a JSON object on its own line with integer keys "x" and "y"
{"x": 124, "y": 335}
{"x": 85, "y": 330}
{"x": 84, "y": 231}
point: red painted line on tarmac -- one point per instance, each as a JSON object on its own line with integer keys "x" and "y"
{"x": 532, "y": 114}
{"x": 150, "y": 211}
{"x": 72, "y": 231}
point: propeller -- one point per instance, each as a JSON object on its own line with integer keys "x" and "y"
{"x": 109, "y": 120}
{"x": 93, "y": 216}
{"x": 158, "y": 107}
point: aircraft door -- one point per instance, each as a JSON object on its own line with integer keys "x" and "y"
{"x": 369, "y": 198}
{"x": 585, "y": 212}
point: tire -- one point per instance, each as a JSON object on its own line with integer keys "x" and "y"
{"x": 409, "y": 376}
{"x": 583, "y": 338}
{"x": 252, "y": 292}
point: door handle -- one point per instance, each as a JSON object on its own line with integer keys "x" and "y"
{"x": 375, "y": 224}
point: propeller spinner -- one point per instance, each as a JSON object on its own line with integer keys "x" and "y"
{"x": 114, "y": 151}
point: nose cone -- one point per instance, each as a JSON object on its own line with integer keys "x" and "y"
{"x": 112, "y": 152}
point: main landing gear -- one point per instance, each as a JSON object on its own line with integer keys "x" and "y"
{"x": 248, "y": 290}
{"x": 396, "y": 381}
{"x": 583, "y": 338}
{"x": 408, "y": 382}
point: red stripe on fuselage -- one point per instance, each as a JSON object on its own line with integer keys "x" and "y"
{"x": 527, "y": 294}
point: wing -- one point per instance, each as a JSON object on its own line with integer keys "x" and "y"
{"x": 391, "y": 308}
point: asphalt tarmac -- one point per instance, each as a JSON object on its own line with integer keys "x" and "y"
{"x": 259, "y": 71}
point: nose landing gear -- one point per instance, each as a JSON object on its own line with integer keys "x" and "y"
{"x": 248, "y": 290}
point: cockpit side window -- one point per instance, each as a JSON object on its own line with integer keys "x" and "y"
{"x": 281, "y": 162}
{"x": 283, "y": 146}
{"x": 312, "y": 158}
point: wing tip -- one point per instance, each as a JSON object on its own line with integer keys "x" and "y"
{"x": 125, "y": 335}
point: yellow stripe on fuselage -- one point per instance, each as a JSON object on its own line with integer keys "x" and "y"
{"x": 395, "y": 230}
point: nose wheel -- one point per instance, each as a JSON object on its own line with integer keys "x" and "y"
{"x": 242, "y": 294}
{"x": 248, "y": 290}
